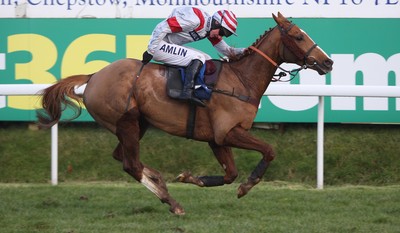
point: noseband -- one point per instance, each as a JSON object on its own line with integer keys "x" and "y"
{"x": 289, "y": 43}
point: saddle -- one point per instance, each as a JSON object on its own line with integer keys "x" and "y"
{"x": 206, "y": 79}
{"x": 204, "y": 83}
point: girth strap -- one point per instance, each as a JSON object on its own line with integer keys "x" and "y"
{"x": 191, "y": 121}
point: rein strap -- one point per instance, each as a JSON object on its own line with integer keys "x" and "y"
{"x": 292, "y": 73}
{"x": 264, "y": 55}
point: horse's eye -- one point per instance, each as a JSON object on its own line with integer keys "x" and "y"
{"x": 299, "y": 37}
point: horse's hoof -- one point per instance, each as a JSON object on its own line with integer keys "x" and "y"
{"x": 243, "y": 189}
{"x": 182, "y": 177}
{"x": 178, "y": 210}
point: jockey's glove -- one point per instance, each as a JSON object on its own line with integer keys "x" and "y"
{"x": 146, "y": 57}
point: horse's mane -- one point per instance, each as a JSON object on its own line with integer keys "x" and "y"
{"x": 233, "y": 57}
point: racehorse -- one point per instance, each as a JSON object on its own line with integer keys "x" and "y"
{"x": 127, "y": 103}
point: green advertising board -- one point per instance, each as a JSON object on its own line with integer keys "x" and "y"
{"x": 365, "y": 52}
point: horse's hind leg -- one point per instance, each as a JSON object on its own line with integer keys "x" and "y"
{"x": 118, "y": 151}
{"x": 225, "y": 158}
{"x": 128, "y": 133}
{"x": 153, "y": 180}
{"x": 240, "y": 138}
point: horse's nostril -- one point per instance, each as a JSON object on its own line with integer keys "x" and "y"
{"x": 328, "y": 63}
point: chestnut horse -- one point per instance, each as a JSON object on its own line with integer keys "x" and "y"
{"x": 126, "y": 104}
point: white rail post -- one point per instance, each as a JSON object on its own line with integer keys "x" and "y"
{"x": 54, "y": 154}
{"x": 320, "y": 143}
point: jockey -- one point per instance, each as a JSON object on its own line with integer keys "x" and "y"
{"x": 185, "y": 25}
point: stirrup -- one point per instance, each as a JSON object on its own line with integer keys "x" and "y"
{"x": 188, "y": 95}
{"x": 197, "y": 102}
{"x": 191, "y": 99}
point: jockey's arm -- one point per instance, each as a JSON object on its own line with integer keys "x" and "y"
{"x": 226, "y": 50}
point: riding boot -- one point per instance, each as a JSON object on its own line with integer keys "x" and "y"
{"x": 187, "y": 93}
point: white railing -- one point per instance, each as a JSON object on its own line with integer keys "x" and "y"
{"x": 337, "y": 91}
{"x": 278, "y": 90}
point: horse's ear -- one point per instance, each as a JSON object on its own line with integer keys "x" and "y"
{"x": 281, "y": 20}
{"x": 276, "y": 18}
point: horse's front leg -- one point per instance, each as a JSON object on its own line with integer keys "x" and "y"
{"x": 241, "y": 138}
{"x": 225, "y": 158}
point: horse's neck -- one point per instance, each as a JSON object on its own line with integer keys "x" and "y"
{"x": 256, "y": 72}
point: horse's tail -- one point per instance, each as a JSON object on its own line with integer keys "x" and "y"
{"x": 58, "y": 97}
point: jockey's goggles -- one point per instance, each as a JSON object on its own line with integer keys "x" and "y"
{"x": 224, "y": 32}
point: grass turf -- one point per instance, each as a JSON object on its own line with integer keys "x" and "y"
{"x": 269, "y": 207}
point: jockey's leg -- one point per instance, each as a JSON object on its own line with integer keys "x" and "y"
{"x": 191, "y": 73}
{"x": 190, "y": 58}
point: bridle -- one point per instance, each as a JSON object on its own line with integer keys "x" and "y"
{"x": 289, "y": 44}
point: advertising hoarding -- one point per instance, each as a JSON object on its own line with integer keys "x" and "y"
{"x": 364, "y": 48}
{"x": 161, "y": 8}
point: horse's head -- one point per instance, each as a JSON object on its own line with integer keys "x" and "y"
{"x": 297, "y": 47}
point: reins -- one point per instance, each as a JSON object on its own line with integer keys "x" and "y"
{"x": 293, "y": 73}
{"x": 264, "y": 55}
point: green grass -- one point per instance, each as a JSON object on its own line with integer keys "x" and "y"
{"x": 269, "y": 207}
{"x": 97, "y": 196}
{"x": 354, "y": 154}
